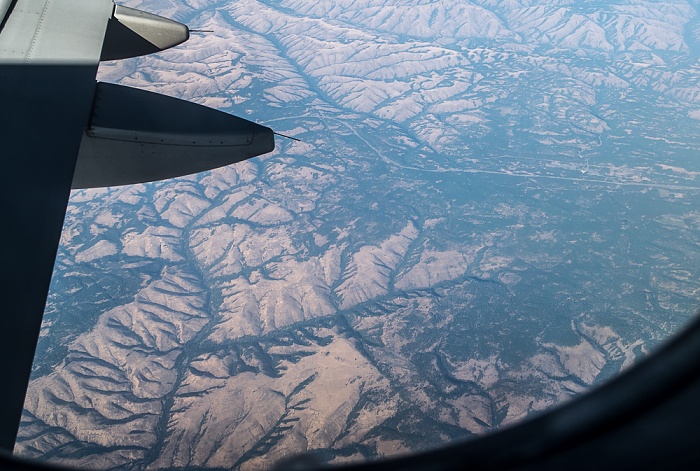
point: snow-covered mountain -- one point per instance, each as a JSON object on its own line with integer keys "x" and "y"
{"x": 493, "y": 207}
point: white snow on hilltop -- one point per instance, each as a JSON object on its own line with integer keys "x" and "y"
{"x": 491, "y": 207}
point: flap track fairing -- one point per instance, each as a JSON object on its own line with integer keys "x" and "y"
{"x": 132, "y": 33}
{"x": 135, "y": 136}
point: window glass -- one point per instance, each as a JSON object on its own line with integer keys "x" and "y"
{"x": 493, "y": 206}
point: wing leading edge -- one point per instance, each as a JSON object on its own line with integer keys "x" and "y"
{"x": 55, "y": 115}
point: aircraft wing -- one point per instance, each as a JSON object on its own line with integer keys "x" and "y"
{"x": 60, "y": 129}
